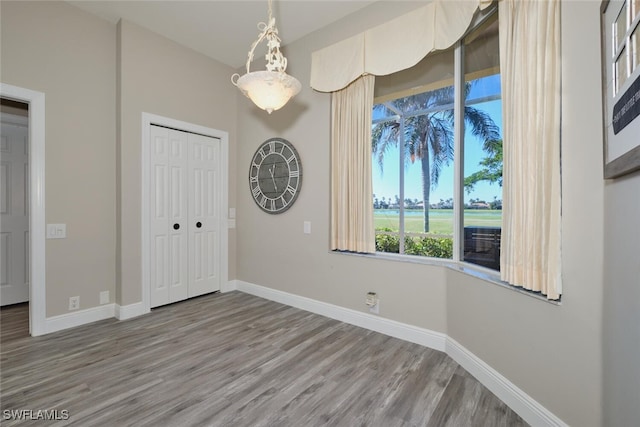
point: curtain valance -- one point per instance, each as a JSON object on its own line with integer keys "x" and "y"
{"x": 393, "y": 46}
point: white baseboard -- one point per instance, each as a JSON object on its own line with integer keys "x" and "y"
{"x": 231, "y": 285}
{"x": 120, "y": 312}
{"x": 425, "y": 337}
{"x": 523, "y": 404}
{"x": 124, "y": 312}
{"x": 78, "y": 318}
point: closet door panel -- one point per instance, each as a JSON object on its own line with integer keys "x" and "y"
{"x": 178, "y": 202}
{"x": 159, "y": 221}
{"x": 185, "y": 204}
{"x": 204, "y": 207}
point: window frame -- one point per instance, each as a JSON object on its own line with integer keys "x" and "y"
{"x": 459, "y": 103}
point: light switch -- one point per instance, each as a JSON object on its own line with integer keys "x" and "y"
{"x": 307, "y": 227}
{"x": 56, "y": 231}
{"x": 231, "y": 223}
{"x": 232, "y": 213}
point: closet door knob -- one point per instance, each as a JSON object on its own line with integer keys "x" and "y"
{"x": 198, "y": 224}
{"x": 176, "y": 226}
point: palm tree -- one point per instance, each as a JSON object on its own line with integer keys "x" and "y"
{"x": 491, "y": 171}
{"x": 428, "y": 133}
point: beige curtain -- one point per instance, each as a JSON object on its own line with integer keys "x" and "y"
{"x": 435, "y": 26}
{"x": 351, "y": 189}
{"x": 530, "y": 70}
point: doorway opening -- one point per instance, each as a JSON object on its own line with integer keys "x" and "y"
{"x": 22, "y": 250}
{"x": 14, "y": 211}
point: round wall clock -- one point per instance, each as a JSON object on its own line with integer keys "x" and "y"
{"x": 275, "y": 175}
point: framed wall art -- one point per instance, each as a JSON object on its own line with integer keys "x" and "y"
{"x": 620, "y": 29}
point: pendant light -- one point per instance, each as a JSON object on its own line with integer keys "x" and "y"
{"x": 270, "y": 89}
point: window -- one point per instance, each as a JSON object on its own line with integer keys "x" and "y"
{"x": 421, "y": 208}
{"x": 626, "y": 43}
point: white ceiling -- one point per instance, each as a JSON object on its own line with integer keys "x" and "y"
{"x": 224, "y": 30}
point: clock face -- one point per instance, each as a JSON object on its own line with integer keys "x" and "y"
{"x": 275, "y": 175}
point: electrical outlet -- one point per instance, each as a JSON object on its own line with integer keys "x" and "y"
{"x": 372, "y": 299}
{"x": 74, "y": 303}
{"x": 104, "y": 297}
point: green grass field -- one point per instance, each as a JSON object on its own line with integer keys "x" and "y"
{"x": 440, "y": 220}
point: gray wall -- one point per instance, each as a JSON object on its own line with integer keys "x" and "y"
{"x": 578, "y": 359}
{"x": 161, "y": 77}
{"x": 622, "y": 302}
{"x": 70, "y": 56}
{"x": 273, "y": 251}
{"x": 553, "y": 353}
{"x": 98, "y": 78}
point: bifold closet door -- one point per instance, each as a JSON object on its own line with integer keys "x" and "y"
{"x": 204, "y": 207}
{"x": 168, "y": 206}
{"x": 185, "y": 213}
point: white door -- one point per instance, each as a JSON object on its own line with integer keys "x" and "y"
{"x": 14, "y": 206}
{"x": 184, "y": 207}
{"x": 169, "y": 228}
{"x": 204, "y": 208}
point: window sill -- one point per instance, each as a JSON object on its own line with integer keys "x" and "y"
{"x": 478, "y": 272}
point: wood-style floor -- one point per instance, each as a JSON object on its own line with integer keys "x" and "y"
{"x": 235, "y": 360}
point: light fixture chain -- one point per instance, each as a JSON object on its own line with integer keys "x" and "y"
{"x": 275, "y": 59}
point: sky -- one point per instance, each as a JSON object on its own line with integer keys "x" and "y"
{"x": 386, "y": 181}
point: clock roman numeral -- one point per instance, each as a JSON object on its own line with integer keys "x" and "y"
{"x": 263, "y": 202}
{"x": 291, "y": 190}
{"x": 294, "y": 174}
{"x": 255, "y": 191}
{"x": 290, "y": 159}
{"x": 284, "y": 201}
{"x": 253, "y": 178}
{"x": 272, "y": 146}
